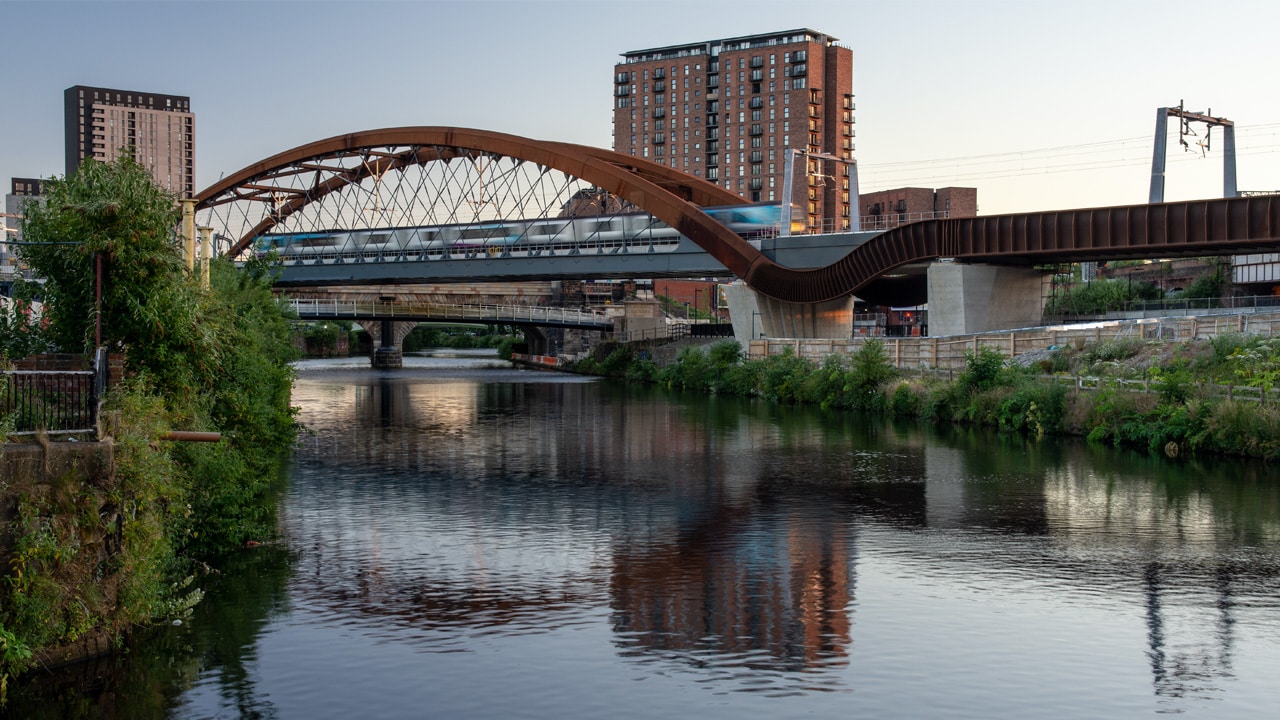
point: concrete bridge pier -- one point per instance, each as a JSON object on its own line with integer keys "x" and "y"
{"x": 755, "y": 316}
{"x": 537, "y": 340}
{"x": 387, "y": 337}
{"x": 965, "y": 299}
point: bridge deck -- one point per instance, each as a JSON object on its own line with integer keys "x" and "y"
{"x": 443, "y": 312}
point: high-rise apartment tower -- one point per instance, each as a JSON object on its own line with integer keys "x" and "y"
{"x": 727, "y": 110}
{"x": 159, "y": 132}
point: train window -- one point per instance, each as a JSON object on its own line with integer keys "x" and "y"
{"x": 380, "y": 238}
{"x": 477, "y": 233}
{"x": 547, "y": 229}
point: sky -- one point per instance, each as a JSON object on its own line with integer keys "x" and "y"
{"x": 1039, "y": 105}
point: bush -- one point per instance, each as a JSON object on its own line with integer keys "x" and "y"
{"x": 906, "y": 402}
{"x": 195, "y": 360}
{"x": 1101, "y": 296}
{"x": 983, "y": 370}
{"x": 1035, "y": 408}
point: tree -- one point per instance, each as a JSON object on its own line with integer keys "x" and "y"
{"x": 116, "y": 212}
{"x": 215, "y": 360}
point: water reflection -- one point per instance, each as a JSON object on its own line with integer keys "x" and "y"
{"x": 206, "y": 663}
{"x": 512, "y": 523}
{"x": 725, "y": 534}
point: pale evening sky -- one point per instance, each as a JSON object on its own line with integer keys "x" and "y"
{"x": 1039, "y": 105}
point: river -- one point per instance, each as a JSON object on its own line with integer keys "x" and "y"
{"x": 462, "y": 539}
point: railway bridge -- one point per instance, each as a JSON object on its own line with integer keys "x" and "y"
{"x": 441, "y": 204}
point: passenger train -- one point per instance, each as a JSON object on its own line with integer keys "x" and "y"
{"x": 520, "y": 238}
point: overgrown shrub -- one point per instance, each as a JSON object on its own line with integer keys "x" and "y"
{"x": 984, "y": 370}
{"x": 195, "y": 359}
{"x": 1101, "y": 296}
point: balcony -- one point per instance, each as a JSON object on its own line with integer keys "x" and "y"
{"x": 659, "y": 112}
{"x": 799, "y": 56}
{"x": 798, "y": 70}
{"x": 757, "y": 130}
{"x": 757, "y": 75}
{"x": 660, "y": 86}
{"x": 756, "y": 62}
{"x": 659, "y": 139}
{"x": 622, "y": 77}
{"x": 755, "y": 103}
{"x": 659, "y": 74}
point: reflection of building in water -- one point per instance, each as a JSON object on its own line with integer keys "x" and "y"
{"x": 737, "y": 587}
{"x": 1189, "y": 654}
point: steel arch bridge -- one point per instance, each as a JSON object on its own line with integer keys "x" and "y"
{"x": 414, "y": 177}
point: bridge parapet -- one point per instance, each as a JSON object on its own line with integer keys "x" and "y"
{"x": 443, "y": 312}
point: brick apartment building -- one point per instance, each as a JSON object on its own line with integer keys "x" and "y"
{"x": 159, "y": 130}
{"x": 727, "y": 110}
{"x": 890, "y": 208}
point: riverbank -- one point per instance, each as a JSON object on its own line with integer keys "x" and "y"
{"x": 1171, "y": 411}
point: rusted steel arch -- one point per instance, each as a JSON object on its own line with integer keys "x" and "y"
{"x": 1194, "y": 228}
{"x": 660, "y": 191}
{"x": 682, "y": 184}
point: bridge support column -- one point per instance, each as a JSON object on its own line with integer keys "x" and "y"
{"x": 537, "y": 340}
{"x": 387, "y": 336}
{"x": 755, "y": 316}
{"x": 966, "y": 299}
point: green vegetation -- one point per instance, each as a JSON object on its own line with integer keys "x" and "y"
{"x": 102, "y": 558}
{"x": 1150, "y": 395}
{"x": 321, "y": 338}
{"x": 679, "y": 309}
{"x": 20, "y": 332}
{"x": 427, "y": 336}
{"x": 1101, "y": 296}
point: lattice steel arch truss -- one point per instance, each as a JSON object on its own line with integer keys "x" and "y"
{"x": 476, "y": 176}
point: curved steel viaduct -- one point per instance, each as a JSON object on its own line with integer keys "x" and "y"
{"x": 1201, "y": 227}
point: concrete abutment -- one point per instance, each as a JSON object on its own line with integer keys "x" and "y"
{"x": 966, "y": 299}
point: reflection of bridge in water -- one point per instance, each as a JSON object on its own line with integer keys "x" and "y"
{"x": 684, "y": 541}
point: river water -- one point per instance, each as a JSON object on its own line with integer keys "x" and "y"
{"x": 462, "y": 539}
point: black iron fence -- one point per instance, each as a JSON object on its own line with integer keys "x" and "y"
{"x": 57, "y": 402}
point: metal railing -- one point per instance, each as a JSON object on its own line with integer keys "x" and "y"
{"x": 1201, "y": 305}
{"x": 58, "y": 402}
{"x": 307, "y": 309}
{"x": 1175, "y": 307}
{"x": 890, "y": 220}
{"x": 660, "y": 332}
